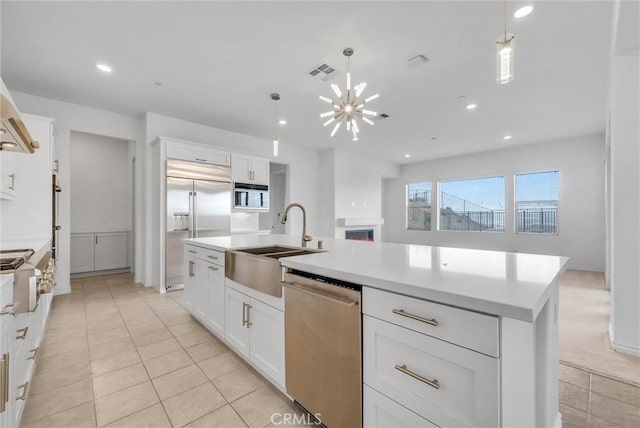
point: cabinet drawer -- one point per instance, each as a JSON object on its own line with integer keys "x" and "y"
{"x": 211, "y": 256}
{"x": 444, "y": 383}
{"x": 381, "y": 412}
{"x": 198, "y": 153}
{"x": 458, "y": 326}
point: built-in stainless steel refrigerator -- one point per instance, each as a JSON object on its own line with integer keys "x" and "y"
{"x": 198, "y": 206}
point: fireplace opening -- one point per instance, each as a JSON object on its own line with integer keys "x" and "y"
{"x": 359, "y": 235}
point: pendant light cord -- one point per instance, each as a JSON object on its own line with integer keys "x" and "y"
{"x": 505, "y": 20}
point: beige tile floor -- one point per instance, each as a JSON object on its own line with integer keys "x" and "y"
{"x": 121, "y": 355}
{"x": 598, "y": 386}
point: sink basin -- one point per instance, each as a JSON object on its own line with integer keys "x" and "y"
{"x": 259, "y": 268}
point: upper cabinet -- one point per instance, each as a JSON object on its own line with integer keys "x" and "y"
{"x": 249, "y": 169}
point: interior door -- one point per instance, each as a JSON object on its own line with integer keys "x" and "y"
{"x": 212, "y": 208}
{"x": 179, "y": 194}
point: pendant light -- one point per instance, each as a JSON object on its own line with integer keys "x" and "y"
{"x": 505, "y": 54}
{"x": 275, "y": 97}
{"x": 348, "y": 106}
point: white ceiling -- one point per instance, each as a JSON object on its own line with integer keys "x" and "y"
{"x": 219, "y": 61}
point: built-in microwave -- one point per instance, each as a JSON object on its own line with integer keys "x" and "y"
{"x": 251, "y": 196}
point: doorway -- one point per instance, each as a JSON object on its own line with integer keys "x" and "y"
{"x": 277, "y": 196}
{"x": 101, "y": 209}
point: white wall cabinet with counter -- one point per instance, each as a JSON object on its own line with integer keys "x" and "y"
{"x": 101, "y": 251}
{"x": 249, "y": 169}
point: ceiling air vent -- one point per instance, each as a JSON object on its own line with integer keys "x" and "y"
{"x": 380, "y": 117}
{"x": 324, "y": 71}
{"x": 417, "y": 61}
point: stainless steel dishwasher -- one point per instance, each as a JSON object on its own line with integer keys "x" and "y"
{"x": 323, "y": 347}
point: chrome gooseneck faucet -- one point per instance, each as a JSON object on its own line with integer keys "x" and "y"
{"x": 305, "y": 238}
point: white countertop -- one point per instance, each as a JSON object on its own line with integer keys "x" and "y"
{"x": 513, "y": 285}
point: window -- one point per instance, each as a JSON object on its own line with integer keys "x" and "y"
{"x": 537, "y": 202}
{"x": 419, "y": 206}
{"x": 473, "y": 205}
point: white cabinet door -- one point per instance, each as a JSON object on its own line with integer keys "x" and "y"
{"x": 260, "y": 168}
{"x": 267, "y": 339}
{"x": 216, "y": 299}
{"x": 6, "y": 354}
{"x": 201, "y": 295}
{"x": 241, "y": 168}
{"x": 381, "y": 412}
{"x": 189, "y": 294}
{"x": 82, "y": 249}
{"x": 237, "y": 332}
{"x": 112, "y": 251}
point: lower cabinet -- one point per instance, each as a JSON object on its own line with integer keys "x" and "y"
{"x": 20, "y": 339}
{"x": 256, "y": 331}
{"x": 204, "y": 292}
{"x": 382, "y": 412}
{"x": 92, "y": 252}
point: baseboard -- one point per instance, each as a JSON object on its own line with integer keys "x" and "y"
{"x": 586, "y": 268}
{"x": 59, "y": 291}
{"x": 558, "y": 422}
{"x": 621, "y": 347}
{"x": 99, "y": 273}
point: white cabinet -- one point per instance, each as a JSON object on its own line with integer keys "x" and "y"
{"x": 112, "y": 251}
{"x": 249, "y": 169}
{"x": 99, "y": 251}
{"x": 215, "y": 320}
{"x": 82, "y": 252}
{"x": 186, "y": 150}
{"x": 382, "y": 412}
{"x": 204, "y": 287}
{"x": 25, "y": 179}
{"x": 267, "y": 339}
{"x": 256, "y": 331}
{"x": 237, "y": 333}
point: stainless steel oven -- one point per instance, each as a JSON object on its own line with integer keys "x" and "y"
{"x": 251, "y": 197}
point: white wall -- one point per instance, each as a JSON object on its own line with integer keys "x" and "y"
{"x": 581, "y": 208}
{"x": 624, "y": 138}
{"x": 101, "y": 184}
{"x": 72, "y": 117}
{"x": 351, "y": 188}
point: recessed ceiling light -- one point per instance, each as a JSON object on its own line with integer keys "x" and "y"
{"x": 103, "y": 67}
{"x": 523, "y": 11}
{"x": 507, "y": 137}
{"x": 471, "y": 106}
{"x": 282, "y": 122}
{"x": 407, "y": 155}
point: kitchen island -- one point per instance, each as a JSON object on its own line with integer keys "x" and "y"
{"x": 493, "y": 348}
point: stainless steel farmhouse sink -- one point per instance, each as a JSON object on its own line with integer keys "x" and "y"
{"x": 259, "y": 268}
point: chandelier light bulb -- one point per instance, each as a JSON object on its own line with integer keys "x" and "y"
{"x": 329, "y": 121}
{"x": 348, "y": 81}
{"x": 369, "y": 113}
{"x": 348, "y": 108}
{"x": 336, "y": 89}
{"x": 327, "y": 114}
{"x": 366, "y": 119}
{"x": 275, "y": 145}
{"x": 371, "y": 98}
{"x": 360, "y": 88}
{"x": 325, "y": 99}
{"x": 335, "y": 129}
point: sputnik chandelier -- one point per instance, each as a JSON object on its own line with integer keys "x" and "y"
{"x": 348, "y": 106}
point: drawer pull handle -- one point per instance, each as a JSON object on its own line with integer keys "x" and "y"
{"x": 8, "y": 309}
{"x": 35, "y": 353}
{"x": 4, "y": 382}
{"x": 25, "y": 391}
{"x": 24, "y": 333}
{"x": 213, "y": 257}
{"x": 432, "y": 383}
{"x": 192, "y": 251}
{"x": 213, "y": 268}
{"x": 402, "y": 313}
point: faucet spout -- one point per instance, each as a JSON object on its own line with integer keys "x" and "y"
{"x": 305, "y": 238}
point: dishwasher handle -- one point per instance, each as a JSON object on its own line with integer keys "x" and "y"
{"x": 318, "y": 292}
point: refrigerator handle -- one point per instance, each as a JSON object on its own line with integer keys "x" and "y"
{"x": 190, "y": 215}
{"x": 195, "y": 214}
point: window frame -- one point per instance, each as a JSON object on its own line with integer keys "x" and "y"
{"x": 439, "y": 196}
{"x": 406, "y": 203}
{"x": 515, "y": 201}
